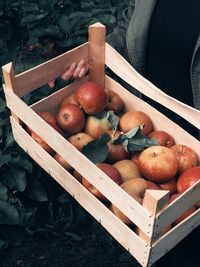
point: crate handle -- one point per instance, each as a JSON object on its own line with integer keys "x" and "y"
{"x": 126, "y": 72}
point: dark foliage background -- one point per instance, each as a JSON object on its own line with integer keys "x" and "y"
{"x": 33, "y": 207}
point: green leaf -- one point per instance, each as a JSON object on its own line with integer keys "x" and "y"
{"x": 113, "y": 119}
{"x": 73, "y": 236}
{"x": 46, "y": 30}
{"x": 9, "y": 139}
{"x": 32, "y": 18}
{"x": 97, "y": 150}
{"x": 15, "y": 179}
{"x": 27, "y": 7}
{"x": 37, "y": 192}
{"x": 8, "y": 214}
{"x": 63, "y": 23}
{"x": 23, "y": 163}
{"x": 4, "y": 159}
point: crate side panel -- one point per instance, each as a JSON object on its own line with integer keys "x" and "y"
{"x": 130, "y": 207}
{"x": 187, "y": 199}
{"x": 35, "y": 77}
{"x": 174, "y": 236}
{"x": 160, "y": 122}
{"x": 123, "y": 234}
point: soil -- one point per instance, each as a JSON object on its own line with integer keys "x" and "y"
{"x": 85, "y": 243}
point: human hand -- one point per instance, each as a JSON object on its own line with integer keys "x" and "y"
{"x": 75, "y": 71}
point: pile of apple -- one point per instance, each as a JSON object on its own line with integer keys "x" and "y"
{"x": 163, "y": 165}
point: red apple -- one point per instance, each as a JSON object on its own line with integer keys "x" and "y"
{"x": 91, "y": 97}
{"x": 71, "y": 118}
{"x": 152, "y": 185}
{"x": 170, "y": 186}
{"x": 185, "y": 156}
{"x": 185, "y": 214}
{"x": 114, "y": 102}
{"x": 77, "y": 175}
{"x": 97, "y": 125}
{"x": 116, "y": 152}
{"x": 108, "y": 169}
{"x": 135, "y": 156}
{"x": 70, "y": 99}
{"x": 163, "y": 138}
{"x": 132, "y": 119}
{"x": 188, "y": 178}
{"x": 157, "y": 164}
{"x": 79, "y": 140}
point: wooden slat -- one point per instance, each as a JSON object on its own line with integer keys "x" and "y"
{"x": 99, "y": 179}
{"x": 160, "y": 122}
{"x": 34, "y": 78}
{"x": 174, "y": 236}
{"x": 154, "y": 201}
{"x": 96, "y": 43}
{"x": 126, "y": 72}
{"x": 122, "y": 233}
{"x": 178, "y": 207}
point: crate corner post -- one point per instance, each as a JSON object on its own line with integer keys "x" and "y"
{"x": 96, "y": 53}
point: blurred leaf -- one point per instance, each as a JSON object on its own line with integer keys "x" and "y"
{"x": 63, "y": 23}
{"x": 15, "y": 179}
{"x": 46, "y": 30}
{"x": 3, "y": 192}
{"x": 32, "y": 18}
{"x": 23, "y": 163}
{"x": 28, "y": 6}
{"x": 36, "y": 191}
{"x": 9, "y": 139}
{"x": 8, "y": 214}
{"x": 2, "y": 105}
{"x": 4, "y": 159}
{"x": 73, "y": 236}
{"x": 97, "y": 150}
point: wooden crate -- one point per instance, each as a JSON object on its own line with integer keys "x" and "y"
{"x": 155, "y": 215}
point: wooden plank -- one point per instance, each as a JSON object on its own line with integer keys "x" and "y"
{"x": 96, "y": 42}
{"x": 174, "y": 236}
{"x": 10, "y": 81}
{"x": 99, "y": 179}
{"x": 178, "y": 207}
{"x": 154, "y": 201}
{"x": 53, "y": 101}
{"x": 34, "y": 78}
{"x": 126, "y": 72}
{"x": 160, "y": 122}
{"x": 122, "y": 233}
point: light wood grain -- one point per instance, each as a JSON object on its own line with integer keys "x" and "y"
{"x": 99, "y": 211}
{"x": 34, "y": 78}
{"x": 99, "y": 179}
{"x": 174, "y": 236}
{"x": 125, "y": 71}
{"x": 187, "y": 199}
{"x": 96, "y": 43}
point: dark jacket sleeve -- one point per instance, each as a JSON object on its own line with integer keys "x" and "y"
{"x": 117, "y": 38}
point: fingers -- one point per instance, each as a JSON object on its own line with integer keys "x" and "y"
{"x": 68, "y": 74}
{"x": 51, "y": 84}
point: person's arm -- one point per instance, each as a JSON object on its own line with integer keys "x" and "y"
{"x": 117, "y": 38}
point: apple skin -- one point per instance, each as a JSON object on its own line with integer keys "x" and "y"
{"x": 188, "y": 178}
{"x": 62, "y": 162}
{"x": 135, "y": 157}
{"x": 108, "y": 169}
{"x": 71, "y": 99}
{"x": 79, "y": 140}
{"x": 185, "y": 156}
{"x": 71, "y": 118}
{"x": 114, "y": 102}
{"x": 185, "y": 214}
{"x": 91, "y": 97}
{"x": 132, "y": 119}
{"x": 157, "y": 164}
{"x": 77, "y": 175}
{"x": 127, "y": 169}
{"x": 42, "y": 143}
{"x": 96, "y": 126}
{"x": 135, "y": 188}
{"x": 116, "y": 152}
{"x": 163, "y": 138}
{"x": 170, "y": 186}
